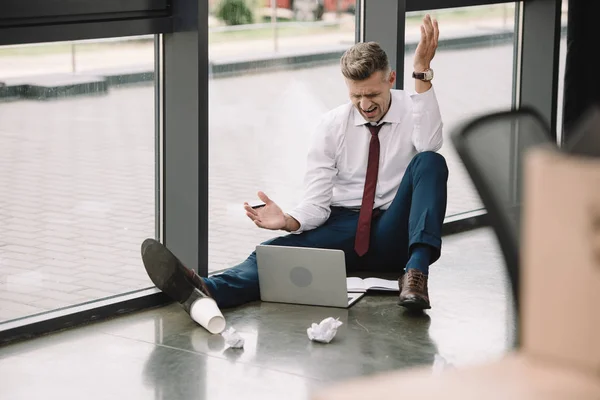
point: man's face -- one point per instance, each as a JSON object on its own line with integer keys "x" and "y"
{"x": 372, "y": 96}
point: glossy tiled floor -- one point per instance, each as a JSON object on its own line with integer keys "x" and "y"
{"x": 162, "y": 354}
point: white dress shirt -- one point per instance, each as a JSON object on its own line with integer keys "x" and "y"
{"x": 338, "y": 155}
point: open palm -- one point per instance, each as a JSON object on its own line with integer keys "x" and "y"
{"x": 427, "y": 46}
{"x": 270, "y": 216}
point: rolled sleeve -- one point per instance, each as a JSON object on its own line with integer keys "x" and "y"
{"x": 427, "y": 133}
{"x": 309, "y": 217}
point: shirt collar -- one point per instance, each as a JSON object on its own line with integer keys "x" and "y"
{"x": 392, "y": 116}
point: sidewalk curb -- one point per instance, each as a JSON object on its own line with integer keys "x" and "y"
{"x": 230, "y": 68}
{"x": 25, "y": 88}
{"x": 243, "y": 67}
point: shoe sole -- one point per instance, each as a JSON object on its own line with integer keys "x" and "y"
{"x": 166, "y": 271}
{"x": 414, "y": 304}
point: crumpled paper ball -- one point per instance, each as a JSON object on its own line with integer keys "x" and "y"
{"x": 233, "y": 339}
{"x": 325, "y": 331}
{"x": 440, "y": 365}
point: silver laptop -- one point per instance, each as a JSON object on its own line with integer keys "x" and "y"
{"x": 303, "y": 275}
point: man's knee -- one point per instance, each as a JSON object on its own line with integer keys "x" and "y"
{"x": 271, "y": 241}
{"x": 293, "y": 240}
{"x": 431, "y": 160}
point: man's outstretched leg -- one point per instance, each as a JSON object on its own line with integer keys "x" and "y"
{"x": 239, "y": 285}
{"x": 409, "y": 233}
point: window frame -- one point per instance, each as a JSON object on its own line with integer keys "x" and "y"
{"x": 31, "y": 11}
{"x": 43, "y": 21}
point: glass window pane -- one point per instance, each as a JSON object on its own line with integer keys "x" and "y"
{"x": 301, "y": 27}
{"x": 473, "y": 75}
{"x": 78, "y": 172}
{"x": 261, "y": 119}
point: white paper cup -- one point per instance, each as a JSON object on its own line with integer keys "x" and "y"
{"x": 206, "y": 312}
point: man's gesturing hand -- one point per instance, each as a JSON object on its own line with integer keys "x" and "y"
{"x": 269, "y": 216}
{"x": 427, "y": 45}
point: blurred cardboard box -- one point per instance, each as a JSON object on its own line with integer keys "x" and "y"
{"x": 514, "y": 377}
{"x": 560, "y": 316}
{"x": 560, "y": 301}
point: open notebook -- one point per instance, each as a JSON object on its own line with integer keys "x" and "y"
{"x": 363, "y": 285}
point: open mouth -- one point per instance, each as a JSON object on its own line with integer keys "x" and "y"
{"x": 370, "y": 112}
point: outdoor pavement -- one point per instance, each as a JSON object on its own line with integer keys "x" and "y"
{"x": 79, "y": 183}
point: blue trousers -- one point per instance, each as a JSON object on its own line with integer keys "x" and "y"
{"x": 415, "y": 217}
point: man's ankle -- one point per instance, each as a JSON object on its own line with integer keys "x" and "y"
{"x": 420, "y": 258}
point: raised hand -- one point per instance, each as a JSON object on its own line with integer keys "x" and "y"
{"x": 269, "y": 216}
{"x": 427, "y": 45}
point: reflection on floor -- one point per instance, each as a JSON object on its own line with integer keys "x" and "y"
{"x": 162, "y": 354}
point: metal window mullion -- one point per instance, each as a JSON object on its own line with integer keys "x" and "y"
{"x": 384, "y": 22}
{"x": 538, "y": 69}
{"x": 186, "y": 135}
{"x": 159, "y": 111}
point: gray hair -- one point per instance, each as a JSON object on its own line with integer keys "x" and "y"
{"x": 362, "y": 60}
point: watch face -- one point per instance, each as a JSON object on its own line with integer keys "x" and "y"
{"x": 429, "y": 75}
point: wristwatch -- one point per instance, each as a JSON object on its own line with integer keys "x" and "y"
{"x": 426, "y": 75}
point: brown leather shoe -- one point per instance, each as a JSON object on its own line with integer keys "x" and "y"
{"x": 198, "y": 282}
{"x": 169, "y": 274}
{"x": 413, "y": 290}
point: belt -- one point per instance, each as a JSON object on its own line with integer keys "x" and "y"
{"x": 376, "y": 211}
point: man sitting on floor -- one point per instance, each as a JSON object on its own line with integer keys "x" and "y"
{"x": 375, "y": 187}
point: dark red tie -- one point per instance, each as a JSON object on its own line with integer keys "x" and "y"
{"x": 363, "y": 231}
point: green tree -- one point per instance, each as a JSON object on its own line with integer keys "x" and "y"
{"x": 235, "y": 12}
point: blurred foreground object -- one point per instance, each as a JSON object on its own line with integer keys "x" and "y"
{"x": 561, "y": 275}
{"x": 585, "y": 139}
{"x": 493, "y": 147}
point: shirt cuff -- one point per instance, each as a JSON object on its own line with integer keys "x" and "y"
{"x": 309, "y": 217}
{"x": 423, "y": 100}
{"x": 297, "y": 215}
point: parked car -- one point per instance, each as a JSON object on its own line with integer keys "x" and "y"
{"x": 308, "y": 10}
{"x": 313, "y": 10}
